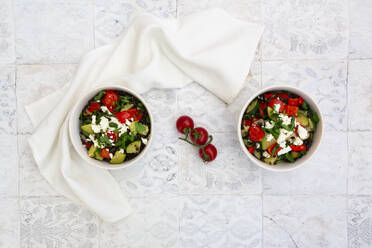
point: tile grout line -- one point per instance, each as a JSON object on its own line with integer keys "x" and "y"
{"x": 179, "y": 195}
{"x": 16, "y": 116}
{"x": 347, "y": 125}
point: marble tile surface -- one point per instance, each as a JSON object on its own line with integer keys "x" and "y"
{"x": 8, "y": 118}
{"x": 53, "y": 31}
{"x": 31, "y": 182}
{"x": 233, "y": 172}
{"x": 305, "y": 29}
{"x": 220, "y": 221}
{"x": 360, "y": 222}
{"x": 248, "y": 10}
{"x": 323, "y": 47}
{"x": 57, "y": 222}
{"x": 360, "y": 29}
{"x": 113, "y": 17}
{"x": 360, "y": 154}
{"x": 9, "y": 165}
{"x": 360, "y": 91}
{"x": 304, "y": 221}
{"x": 9, "y": 223}
{"x": 7, "y": 47}
{"x": 154, "y": 223}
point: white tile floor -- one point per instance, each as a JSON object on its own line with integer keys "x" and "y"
{"x": 324, "y": 47}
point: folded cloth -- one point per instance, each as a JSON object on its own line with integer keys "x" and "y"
{"x": 209, "y": 47}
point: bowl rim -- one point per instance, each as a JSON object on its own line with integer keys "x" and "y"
{"x": 314, "y": 147}
{"x": 73, "y": 131}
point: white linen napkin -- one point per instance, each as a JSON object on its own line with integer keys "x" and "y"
{"x": 209, "y": 47}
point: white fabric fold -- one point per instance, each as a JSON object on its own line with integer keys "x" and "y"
{"x": 209, "y": 47}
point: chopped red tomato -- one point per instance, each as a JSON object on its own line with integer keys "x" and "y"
{"x": 251, "y": 149}
{"x": 88, "y": 145}
{"x": 291, "y": 110}
{"x": 93, "y": 107}
{"x": 123, "y": 116}
{"x": 113, "y": 135}
{"x": 255, "y": 120}
{"x": 263, "y": 105}
{"x": 298, "y": 148}
{"x": 277, "y": 101}
{"x": 135, "y": 114}
{"x": 110, "y": 98}
{"x": 261, "y": 112}
{"x": 300, "y": 101}
{"x": 105, "y": 153}
{"x": 247, "y": 122}
{"x": 296, "y": 128}
{"x": 256, "y": 133}
{"x": 283, "y": 96}
{"x": 268, "y": 95}
{"x": 271, "y": 148}
{"x": 293, "y": 101}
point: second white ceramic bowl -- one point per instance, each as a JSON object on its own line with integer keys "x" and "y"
{"x": 74, "y": 128}
{"x": 316, "y": 140}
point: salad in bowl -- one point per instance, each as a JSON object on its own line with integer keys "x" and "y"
{"x": 279, "y": 127}
{"x": 114, "y": 127}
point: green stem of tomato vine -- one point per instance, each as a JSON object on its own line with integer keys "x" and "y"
{"x": 198, "y": 146}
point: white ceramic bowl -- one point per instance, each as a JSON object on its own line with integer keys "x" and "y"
{"x": 283, "y": 166}
{"x": 74, "y": 129}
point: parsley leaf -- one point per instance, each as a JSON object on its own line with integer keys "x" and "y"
{"x": 100, "y": 95}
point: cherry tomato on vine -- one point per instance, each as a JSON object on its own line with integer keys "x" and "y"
{"x": 209, "y": 154}
{"x": 184, "y": 123}
{"x": 199, "y": 136}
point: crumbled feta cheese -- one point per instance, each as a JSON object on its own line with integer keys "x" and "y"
{"x": 285, "y": 150}
{"x": 297, "y": 141}
{"x": 95, "y": 127}
{"x": 302, "y": 132}
{"x": 283, "y": 144}
{"x": 286, "y": 119}
{"x": 121, "y": 150}
{"x": 269, "y": 137}
{"x": 104, "y": 123}
{"x": 284, "y": 134}
{"x": 276, "y": 108}
{"x": 269, "y": 124}
{"x": 127, "y": 122}
{"x": 266, "y": 154}
{"x": 257, "y": 145}
{"x": 144, "y": 141}
{"x": 93, "y": 139}
{"x": 111, "y": 155}
{"x": 105, "y": 109}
